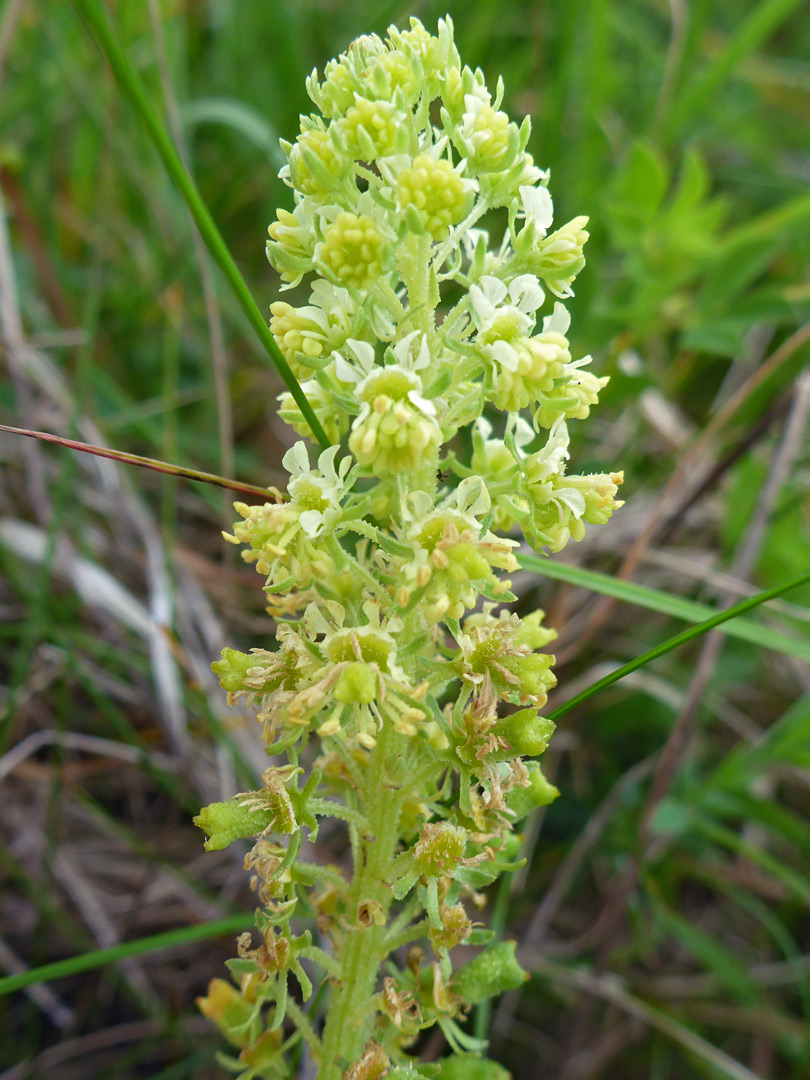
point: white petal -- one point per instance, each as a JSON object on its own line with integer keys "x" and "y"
{"x": 482, "y": 307}
{"x": 326, "y": 461}
{"x": 402, "y": 349}
{"x": 472, "y": 497}
{"x": 558, "y": 321}
{"x": 314, "y": 314}
{"x": 427, "y": 407}
{"x": 483, "y": 428}
{"x": 296, "y": 460}
{"x": 363, "y": 352}
{"x": 573, "y": 499}
{"x": 415, "y": 505}
{"x": 503, "y": 352}
{"x": 526, "y": 293}
{"x": 524, "y": 432}
{"x": 365, "y": 409}
{"x": 494, "y": 289}
{"x": 423, "y": 356}
{"x": 537, "y": 206}
{"x": 311, "y": 521}
{"x": 344, "y": 370}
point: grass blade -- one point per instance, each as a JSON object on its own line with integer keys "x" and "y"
{"x": 239, "y": 116}
{"x": 609, "y": 988}
{"x": 759, "y": 24}
{"x": 99, "y": 25}
{"x": 679, "y": 639}
{"x": 677, "y": 606}
{"x": 100, "y": 957}
{"x": 144, "y": 462}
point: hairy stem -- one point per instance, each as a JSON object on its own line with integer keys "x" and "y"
{"x": 362, "y": 949}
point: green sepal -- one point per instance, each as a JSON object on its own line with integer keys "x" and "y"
{"x": 439, "y": 384}
{"x": 488, "y": 591}
{"x": 278, "y": 587}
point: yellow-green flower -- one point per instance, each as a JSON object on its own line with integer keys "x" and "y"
{"x": 436, "y": 193}
{"x": 352, "y": 251}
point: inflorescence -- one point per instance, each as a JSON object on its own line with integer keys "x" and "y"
{"x": 404, "y": 695}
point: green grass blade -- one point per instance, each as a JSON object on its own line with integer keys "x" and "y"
{"x": 240, "y": 117}
{"x": 679, "y": 639}
{"x": 758, "y": 25}
{"x": 677, "y": 606}
{"x": 101, "y": 957}
{"x": 794, "y": 882}
{"x": 708, "y": 951}
{"x": 129, "y": 82}
{"x": 782, "y": 741}
{"x": 609, "y": 988}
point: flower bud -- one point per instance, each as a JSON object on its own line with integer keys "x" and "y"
{"x": 435, "y": 192}
{"x": 352, "y": 251}
{"x": 298, "y": 337}
{"x": 373, "y": 129}
{"x": 244, "y": 671}
{"x": 396, "y": 430}
{"x": 224, "y": 1006}
{"x": 333, "y": 421}
{"x": 492, "y": 972}
{"x": 558, "y": 258}
{"x": 262, "y": 1057}
{"x": 315, "y": 167}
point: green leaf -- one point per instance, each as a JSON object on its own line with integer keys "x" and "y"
{"x": 676, "y": 641}
{"x": 641, "y": 184}
{"x": 793, "y": 881}
{"x": 96, "y": 18}
{"x": 101, "y": 957}
{"x": 677, "y": 606}
{"x": 785, "y": 740}
{"x": 708, "y": 951}
{"x": 671, "y": 817}
{"x": 761, "y": 21}
{"x": 239, "y": 116}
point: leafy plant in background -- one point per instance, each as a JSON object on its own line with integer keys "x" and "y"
{"x": 405, "y": 710}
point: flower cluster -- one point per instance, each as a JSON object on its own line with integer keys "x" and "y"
{"x": 407, "y": 697}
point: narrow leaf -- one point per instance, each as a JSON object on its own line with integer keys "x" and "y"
{"x": 101, "y": 957}
{"x": 95, "y": 17}
{"x": 679, "y": 639}
{"x": 143, "y": 462}
{"x": 677, "y": 606}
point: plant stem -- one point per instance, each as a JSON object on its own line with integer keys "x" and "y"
{"x": 362, "y": 949}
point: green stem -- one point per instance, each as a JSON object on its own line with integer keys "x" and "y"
{"x": 96, "y": 19}
{"x": 363, "y": 948}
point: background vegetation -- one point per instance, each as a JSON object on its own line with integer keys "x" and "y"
{"x": 664, "y": 909}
